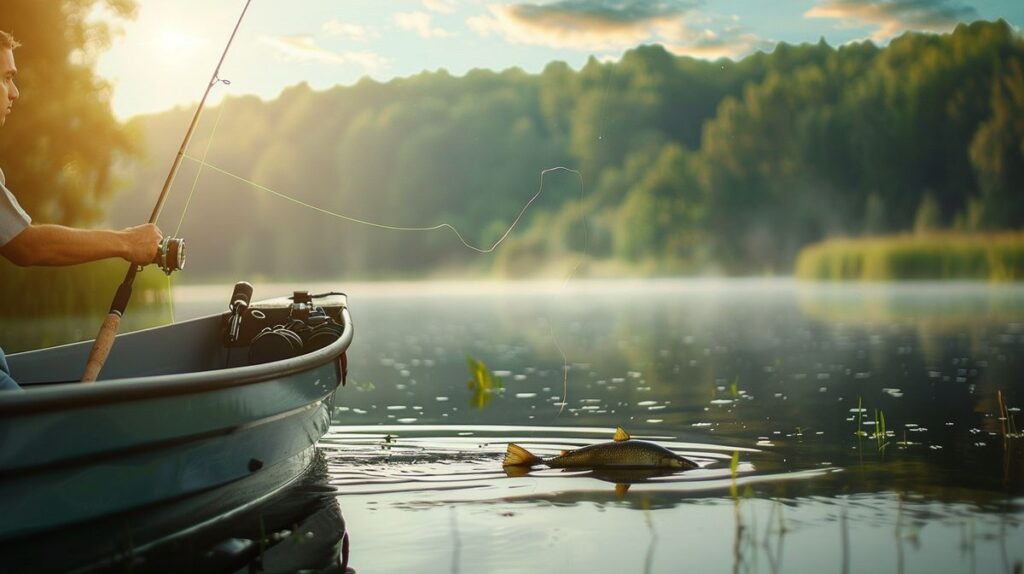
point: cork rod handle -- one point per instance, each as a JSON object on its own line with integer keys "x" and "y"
{"x": 101, "y": 348}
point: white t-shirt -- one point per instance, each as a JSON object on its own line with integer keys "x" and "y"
{"x": 13, "y": 219}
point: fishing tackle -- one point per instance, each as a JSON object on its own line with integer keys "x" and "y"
{"x": 238, "y": 305}
{"x": 307, "y": 329}
{"x": 274, "y": 344}
{"x": 170, "y": 255}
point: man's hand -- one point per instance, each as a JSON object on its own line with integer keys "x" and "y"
{"x": 141, "y": 243}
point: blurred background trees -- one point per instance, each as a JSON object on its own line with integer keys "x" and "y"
{"x": 58, "y": 150}
{"x": 689, "y": 166}
{"x": 58, "y": 147}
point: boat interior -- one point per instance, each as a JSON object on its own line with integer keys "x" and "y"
{"x": 261, "y": 333}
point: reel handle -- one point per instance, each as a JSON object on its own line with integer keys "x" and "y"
{"x": 241, "y": 296}
{"x": 239, "y": 302}
{"x": 170, "y": 254}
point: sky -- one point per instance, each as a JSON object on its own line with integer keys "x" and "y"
{"x": 165, "y": 55}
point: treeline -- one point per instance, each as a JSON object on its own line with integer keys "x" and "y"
{"x": 689, "y": 166}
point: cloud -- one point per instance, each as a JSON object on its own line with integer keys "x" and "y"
{"x": 303, "y": 48}
{"x": 349, "y": 31}
{"x": 733, "y": 42}
{"x": 419, "y": 22}
{"x": 614, "y": 25}
{"x": 893, "y": 17}
{"x": 442, "y": 6}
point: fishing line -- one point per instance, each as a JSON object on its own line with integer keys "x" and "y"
{"x": 203, "y": 163}
{"x": 191, "y": 192}
{"x": 565, "y": 361}
{"x": 199, "y": 170}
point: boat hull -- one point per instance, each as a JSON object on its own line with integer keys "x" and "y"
{"x": 72, "y": 453}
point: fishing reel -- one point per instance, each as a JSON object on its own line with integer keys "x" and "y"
{"x": 170, "y": 254}
{"x": 308, "y": 328}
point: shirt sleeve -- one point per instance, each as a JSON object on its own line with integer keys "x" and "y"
{"x": 13, "y": 219}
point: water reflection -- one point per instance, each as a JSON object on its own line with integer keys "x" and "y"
{"x": 780, "y": 369}
{"x": 404, "y": 483}
{"x": 298, "y": 529}
{"x": 791, "y": 376}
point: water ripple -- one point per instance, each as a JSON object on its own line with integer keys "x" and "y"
{"x": 440, "y": 458}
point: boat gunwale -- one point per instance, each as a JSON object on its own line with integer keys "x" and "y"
{"x": 111, "y": 391}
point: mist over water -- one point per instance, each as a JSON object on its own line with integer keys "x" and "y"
{"x": 796, "y": 378}
{"x": 872, "y": 425}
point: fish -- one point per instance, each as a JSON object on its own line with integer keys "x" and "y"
{"x": 621, "y": 453}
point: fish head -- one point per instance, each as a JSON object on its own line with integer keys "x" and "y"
{"x": 670, "y": 462}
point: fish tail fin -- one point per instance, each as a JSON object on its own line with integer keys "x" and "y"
{"x": 519, "y": 456}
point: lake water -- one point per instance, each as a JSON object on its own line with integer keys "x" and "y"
{"x": 797, "y": 379}
{"x": 866, "y": 423}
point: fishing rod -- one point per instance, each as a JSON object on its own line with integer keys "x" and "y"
{"x": 171, "y": 250}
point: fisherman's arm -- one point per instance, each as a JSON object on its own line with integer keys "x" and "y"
{"x": 53, "y": 245}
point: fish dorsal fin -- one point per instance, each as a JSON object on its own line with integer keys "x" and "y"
{"x": 621, "y": 490}
{"x": 620, "y": 435}
{"x": 564, "y": 452}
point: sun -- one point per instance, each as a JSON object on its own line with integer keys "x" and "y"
{"x": 172, "y": 43}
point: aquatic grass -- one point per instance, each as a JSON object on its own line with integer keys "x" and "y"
{"x": 880, "y": 435}
{"x": 1009, "y": 426}
{"x": 942, "y": 255}
{"x": 482, "y": 383}
{"x": 860, "y": 419}
{"x": 481, "y": 377}
{"x": 734, "y": 466}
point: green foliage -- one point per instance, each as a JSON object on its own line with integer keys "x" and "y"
{"x": 986, "y": 256}
{"x": 734, "y": 467}
{"x": 59, "y": 146}
{"x": 481, "y": 377}
{"x": 997, "y": 149}
{"x": 45, "y": 306}
{"x": 482, "y": 383}
{"x": 689, "y": 166}
{"x": 928, "y": 216}
{"x": 58, "y": 151}
{"x": 881, "y": 438}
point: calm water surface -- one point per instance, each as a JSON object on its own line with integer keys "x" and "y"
{"x": 796, "y": 379}
{"x": 865, "y": 420}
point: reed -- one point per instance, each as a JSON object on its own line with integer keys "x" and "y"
{"x": 880, "y": 434}
{"x": 1007, "y": 424}
{"x": 941, "y": 255}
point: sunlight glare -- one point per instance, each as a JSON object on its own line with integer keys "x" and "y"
{"x": 173, "y": 44}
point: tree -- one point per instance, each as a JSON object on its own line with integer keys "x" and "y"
{"x": 58, "y": 149}
{"x": 997, "y": 151}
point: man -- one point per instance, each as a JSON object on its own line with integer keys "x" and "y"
{"x": 25, "y": 243}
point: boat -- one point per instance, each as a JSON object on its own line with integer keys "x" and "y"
{"x": 189, "y": 421}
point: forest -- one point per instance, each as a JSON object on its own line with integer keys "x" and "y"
{"x": 688, "y": 166}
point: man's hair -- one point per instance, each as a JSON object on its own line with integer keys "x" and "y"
{"x": 7, "y": 41}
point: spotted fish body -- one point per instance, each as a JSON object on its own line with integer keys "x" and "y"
{"x": 621, "y": 453}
